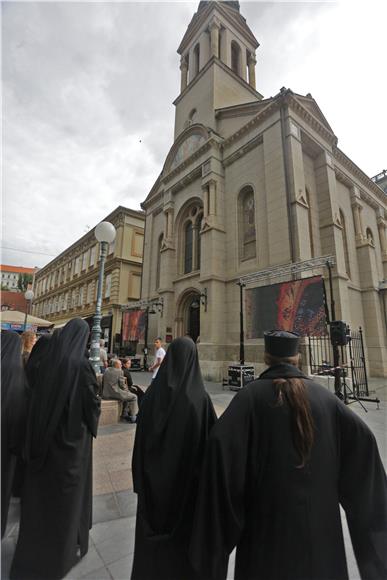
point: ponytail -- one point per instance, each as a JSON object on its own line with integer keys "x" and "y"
{"x": 293, "y": 392}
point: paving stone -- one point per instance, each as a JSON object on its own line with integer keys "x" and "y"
{"x": 104, "y": 530}
{"x": 101, "y": 574}
{"x": 8, "y": 546}
{"x": 105, "y": 508}
{"x": 87, "y": 565}
{"x": 115, "y": 548}
{"x": 121, "y": 570}
{"x": 127, "y": 503}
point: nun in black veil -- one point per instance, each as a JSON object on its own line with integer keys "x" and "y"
{"x": 63, "y": 417}
{"x": 175, "y": 418}
{"x": 13, "y": 415}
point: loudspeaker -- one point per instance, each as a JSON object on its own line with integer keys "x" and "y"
{"x": 339, "y": 333}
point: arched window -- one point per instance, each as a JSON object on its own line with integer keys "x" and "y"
{"x": 370, "y": 236}
{"x": 235, "y": 57}
{"x": 310, "y": 223}
{"x": 198, "y": 240}
{"x": 158, "y": 264}
{"x": 196, "y": 60}
{"x": 190, "y": 238}
{"x": 345, "y": 244}
{"x": 188, "y": 249}
{"x": 247, "y": 224}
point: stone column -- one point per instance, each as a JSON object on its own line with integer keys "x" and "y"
{"x": 212, "y": 198}
{"x": 357, "y": 219}
{"x": 214, "y": 31}
{"x": 383, "y": 243}
{"x": 356, "y": 209}
{"x": 184, "y": 73}
{"x": 252, "y": 61}
{"x": 205, "y": 200}
{"x": 382, "y": 236}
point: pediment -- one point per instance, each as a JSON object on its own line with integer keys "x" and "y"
{"x": 245, "y": 109}
{"x": 310, "y": 104}
{"x": 186, "y": 144}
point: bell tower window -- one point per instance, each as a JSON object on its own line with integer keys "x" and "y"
{"x": 235, "y": 57}
{"x": 196, "y": 60}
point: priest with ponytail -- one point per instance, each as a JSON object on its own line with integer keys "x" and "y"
{"x": 279, "y": 462}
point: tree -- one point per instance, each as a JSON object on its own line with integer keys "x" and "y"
{"x": 24, "y": 281}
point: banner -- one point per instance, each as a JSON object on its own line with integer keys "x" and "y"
{"x": 297, "y": 306}
{"x": 133, "y": 325}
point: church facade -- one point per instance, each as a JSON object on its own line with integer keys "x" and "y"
{"x": 251, "y": 183}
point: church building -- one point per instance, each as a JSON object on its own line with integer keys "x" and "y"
{"x": 251, "y": 183}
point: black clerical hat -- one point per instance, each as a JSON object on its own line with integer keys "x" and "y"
{"x": 281, "y": 343}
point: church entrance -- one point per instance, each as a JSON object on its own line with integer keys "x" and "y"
{"x": 193, "y": 317}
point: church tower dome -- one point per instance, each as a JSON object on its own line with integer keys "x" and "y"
{"x": 217, "y": 63}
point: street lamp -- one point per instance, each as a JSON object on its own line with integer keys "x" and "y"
{"x": 29, "y": 296}
{"x": 105, "y": 233}
{"x": 242, "y": 334}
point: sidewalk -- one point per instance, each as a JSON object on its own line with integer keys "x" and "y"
{"x": 111, "y": 547}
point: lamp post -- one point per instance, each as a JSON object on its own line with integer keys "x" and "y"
{"x": 242, "y": 334}
{"x": 29, "y": 296}
{"x": 105, "y": 233}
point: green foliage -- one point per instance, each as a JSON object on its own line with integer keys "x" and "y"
{"x": 24, "y": 280}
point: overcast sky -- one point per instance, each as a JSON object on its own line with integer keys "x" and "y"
{"x": 88, "y": 91}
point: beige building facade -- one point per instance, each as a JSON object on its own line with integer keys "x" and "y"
{"x": 67, "y": 287}
{"x": 248, "y": 184}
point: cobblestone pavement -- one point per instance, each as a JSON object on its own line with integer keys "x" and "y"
{"x": 111, "y": 547}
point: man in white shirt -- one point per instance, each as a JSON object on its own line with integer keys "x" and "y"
{"x": 159, "y": 355}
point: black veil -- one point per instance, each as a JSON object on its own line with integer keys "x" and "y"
{"x": 172, "y": 428}
{"x": 53, "y": 373}
{"x": 13, "y": 413}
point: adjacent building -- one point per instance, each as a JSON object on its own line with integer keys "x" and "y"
{"x": 67, "y": 287}
{"x": 251, "y": 183}
{"x": 10, "y": 276}
{"x": 381, "y": 180}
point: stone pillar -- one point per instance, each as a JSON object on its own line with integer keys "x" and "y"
{"x": 184, "y": 73}
{"x": 212, "y": 197}
{"x": 214, "y": 31}
{"x": 299, "y": 221}
{"x": 251, "y": 62}
{"x": 357, "y": 208}
{"x": 277, "y": 211}
{"x": 383, "y": 243}
{"x": 331, "y": 231}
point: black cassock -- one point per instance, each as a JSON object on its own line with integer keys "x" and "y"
{"x": 173, "y": 425}
{"x": 13, "y": 415}
{"x": 285, "y": 520}
{"x": 56, "y": 508}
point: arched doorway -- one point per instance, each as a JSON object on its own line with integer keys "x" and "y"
{"x": 188, "y": 315}
{"x": 193, "y": 317}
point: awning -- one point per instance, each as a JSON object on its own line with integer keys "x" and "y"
{"x": 14, "y": 320}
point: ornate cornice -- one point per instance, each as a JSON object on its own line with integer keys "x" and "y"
{"x": 362, "y": 177}
{"x": 305, "y": 114}
{"x": 264, "y": 114}
{"x": 258, "y": 140}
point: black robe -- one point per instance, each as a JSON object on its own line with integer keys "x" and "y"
{"x": 172, "y": 428}
{"x": 56, "y": 508}
{"x": 285, "y": 520}
{"x": 13, "y": 416}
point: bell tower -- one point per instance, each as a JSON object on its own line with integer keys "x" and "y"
{"x": 217, "y": 63}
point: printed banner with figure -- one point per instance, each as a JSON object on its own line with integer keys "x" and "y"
{"x": 133, "y": 325}
{"x": 297, "y": 306}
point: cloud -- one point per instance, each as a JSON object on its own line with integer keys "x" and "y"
{"x": 88, "y": 90}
